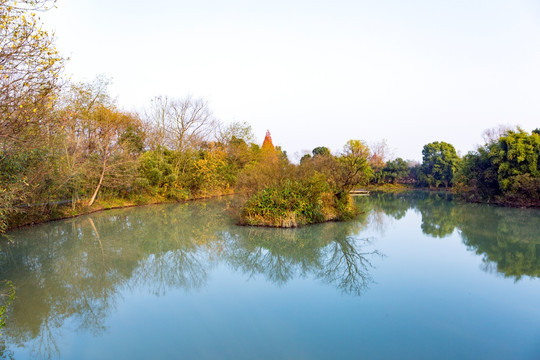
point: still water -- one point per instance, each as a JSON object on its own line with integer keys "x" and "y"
{"x": 416, "y": 276}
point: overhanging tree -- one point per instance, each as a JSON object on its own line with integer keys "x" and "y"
{"x": 30, "y": 68}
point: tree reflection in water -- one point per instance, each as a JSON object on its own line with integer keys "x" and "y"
{"x": 78, "y": 269}
{"x": 331, "y": 252}
{"x": 347, "y": 267}
{"x": 507, "y": 239}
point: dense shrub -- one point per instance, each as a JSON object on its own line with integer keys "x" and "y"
{"x": 395, "y": 170}
{"x": 297, "y": 202}
{"x": 505, "y": 170}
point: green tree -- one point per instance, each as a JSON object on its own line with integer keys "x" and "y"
{"x": 504, "y": 170}
{"x": 305, "y": 158}
{"x": 516, "y": 153}
{"x": 516, "y": 156}
{"x": 321, "y": 151}
{"x": 439, "y": 164}
{"x": 477, "y": 177}
{"x": 354, "y": 169}
{"x": 344, "y": 172}
{"x": 395, "y": 170}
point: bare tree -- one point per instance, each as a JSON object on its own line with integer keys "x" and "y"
{"x": 380, "y": 154}
{"x": 156, "y": 119}
{"x": 492, "y": 135}
{"x": 181, "y": 124}
{"x": 239, "y": 131}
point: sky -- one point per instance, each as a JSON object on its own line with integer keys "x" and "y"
{"x": 318, "y": 73}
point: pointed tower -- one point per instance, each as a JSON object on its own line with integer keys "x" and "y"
{"x": 268, "y": 150}
{"x": 267, "y": 143}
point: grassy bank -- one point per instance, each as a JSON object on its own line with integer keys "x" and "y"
{"x": 387, "y": 187}
{"x": 44, "y": 213}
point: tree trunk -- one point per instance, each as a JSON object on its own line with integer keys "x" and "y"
{"x": 91, "y": 202}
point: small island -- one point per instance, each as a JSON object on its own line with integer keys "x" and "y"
{"x": 297, "y": 202}
{"x": 315, "y": 191}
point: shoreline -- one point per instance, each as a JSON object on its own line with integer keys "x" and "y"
{"x": 100, "y": 208}
{"x": 462, "y": 196}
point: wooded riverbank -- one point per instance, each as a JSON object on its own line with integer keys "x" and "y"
{"x": 64, "y": 141}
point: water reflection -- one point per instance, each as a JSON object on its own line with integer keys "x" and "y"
{"x": 76, "y": 269}
{"x": 511, "y": 243}
{"x": 507, "y": 239}
{"x": 330, "y": 252}
{"x": 74, "y": 273}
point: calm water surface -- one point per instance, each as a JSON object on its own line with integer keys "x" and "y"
{"x": 417, "y": 276}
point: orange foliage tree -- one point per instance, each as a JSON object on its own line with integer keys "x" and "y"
{"x": 268, "y": 150}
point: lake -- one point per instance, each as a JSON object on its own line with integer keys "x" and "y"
{"x": 416, "y": 276}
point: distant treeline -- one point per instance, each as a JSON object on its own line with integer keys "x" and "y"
{"x": 506, "y": 170}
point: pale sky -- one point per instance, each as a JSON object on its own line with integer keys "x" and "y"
{"x": 318, "y": 73}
